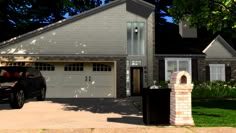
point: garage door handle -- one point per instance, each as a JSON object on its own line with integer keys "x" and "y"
{"x": 86, "y": 78}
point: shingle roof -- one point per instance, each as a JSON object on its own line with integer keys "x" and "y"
{"x": 170, "y": 42}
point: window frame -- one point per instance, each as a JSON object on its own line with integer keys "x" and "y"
{"x": 79, "y": 67}
{"x": 223, "y": 74}
{"x": 189, "y": 60}
{"x": 99, "y": 67}
{"x": 41, "y": 66}
{"x": 131, "y": 49}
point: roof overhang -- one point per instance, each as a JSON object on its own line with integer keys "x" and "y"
{"x": 140, "y": 7}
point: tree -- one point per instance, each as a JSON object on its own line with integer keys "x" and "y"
{"x": 215, "y": 15}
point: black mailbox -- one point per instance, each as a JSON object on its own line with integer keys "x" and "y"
{"x": 156, "y": 106}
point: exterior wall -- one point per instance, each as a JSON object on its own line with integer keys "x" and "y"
{"x": 201, "y": 69}
{"x": 198, "y": 69}
{"x": 104, "y": 32}
{"x": 150, "y": 48}
{"x": 156, "y": 68}
{"x": 228, "y": 63}
{"x": 217, "y": 50}
{"x": 120, "y": 67}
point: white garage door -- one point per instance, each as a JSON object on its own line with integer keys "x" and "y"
{"x": 79, "y": 80}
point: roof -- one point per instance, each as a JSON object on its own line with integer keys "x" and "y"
{"x": 90, "y": 12}
{"x": 169, "y": 41}
{"x": 223, "y": 43}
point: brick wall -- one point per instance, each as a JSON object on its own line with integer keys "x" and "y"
{"x": 180, "y": 99}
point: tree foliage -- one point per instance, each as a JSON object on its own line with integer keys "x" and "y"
{"x": 215, "y": 15}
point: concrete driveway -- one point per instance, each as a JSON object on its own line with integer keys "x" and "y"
{"x": 72, "y": 113}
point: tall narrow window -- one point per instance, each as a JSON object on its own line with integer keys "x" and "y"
{"x": 136, "y": 38}
{"x": 217, "y": 72}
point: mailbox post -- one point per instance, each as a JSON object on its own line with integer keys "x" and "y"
{"x": 180, "y": 99}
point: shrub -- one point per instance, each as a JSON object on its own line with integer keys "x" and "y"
{"x": 215, "y": 89}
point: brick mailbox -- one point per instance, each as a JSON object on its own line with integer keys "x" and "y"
{"x": 180, "y": 99}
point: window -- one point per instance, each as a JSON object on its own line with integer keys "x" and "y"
{"x": 136, "y": 63}
{"x": 13, "y": 63}
{"x": 177, "y": 64}
{"x": 74, "y": 67}
{"x": 136, "y": 38}
{"x": 44, "y": 67}
{"x": 217, "y": 72}
{"x": 101, "y": 67}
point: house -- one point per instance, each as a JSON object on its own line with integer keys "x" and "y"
{"x": 204, "y": 60}
{"x": 96, "y": 54}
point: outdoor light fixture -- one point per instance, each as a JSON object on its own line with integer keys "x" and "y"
{"x": 136, "y": 30}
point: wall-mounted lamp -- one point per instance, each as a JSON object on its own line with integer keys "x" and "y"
{"x": 136, "y": 30}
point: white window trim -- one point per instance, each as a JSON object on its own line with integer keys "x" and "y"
{"x": 177, "y": 60}
{"x": 217, "y": 65}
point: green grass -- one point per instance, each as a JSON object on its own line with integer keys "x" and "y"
{"x": 214, "y": 113}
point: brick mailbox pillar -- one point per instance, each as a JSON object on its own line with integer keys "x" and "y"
{"x": 180, "y": 99}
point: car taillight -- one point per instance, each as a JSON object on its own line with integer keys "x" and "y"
{"x": 44, "y": 80}
{"x": 7, "y": 84}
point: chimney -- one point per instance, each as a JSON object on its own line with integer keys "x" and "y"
{"x": 185, "y": 31}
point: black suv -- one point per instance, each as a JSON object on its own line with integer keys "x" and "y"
{"x": 19, "y": 83}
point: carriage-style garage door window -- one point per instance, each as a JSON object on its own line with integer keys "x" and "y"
{"x": 177, "y": 64}
{"x": 217, "y": 72}
{"x": 136, "y": 38}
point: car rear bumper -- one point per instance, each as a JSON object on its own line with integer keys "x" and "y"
{"x": 5, "y": 93}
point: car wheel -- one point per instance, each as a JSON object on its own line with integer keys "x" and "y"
{"x": 18, "y": 99}
{"x": 42, "y": 94}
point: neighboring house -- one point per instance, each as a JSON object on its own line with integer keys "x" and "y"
{"x": 96, "y": 54}
{"x": 205, "y": 61}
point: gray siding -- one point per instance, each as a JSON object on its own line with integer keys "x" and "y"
{"x": 101, "y": 33}
{"x": 217, "y": 50}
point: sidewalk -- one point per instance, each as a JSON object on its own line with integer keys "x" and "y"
{"x": 127, "y": 130}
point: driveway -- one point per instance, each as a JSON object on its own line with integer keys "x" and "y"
{"x": 72, "y": 113}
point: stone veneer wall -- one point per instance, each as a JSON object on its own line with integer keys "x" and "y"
{"x": 120, "y": 67}
{"x": 201, "y": 69}
{"x": 150, "y": 47}
{"x": 156, "y": 69}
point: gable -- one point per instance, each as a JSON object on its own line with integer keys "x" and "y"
{"x": 103, "y": 32}
{"x": 219, "y": 48}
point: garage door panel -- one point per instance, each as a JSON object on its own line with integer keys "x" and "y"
{"x": 74, "y": 92}
{"x": 102, "y": 91}
{"x": 74, "y": 79}
{"x": 85, "y": 83}
{"x": 102, "y": 79}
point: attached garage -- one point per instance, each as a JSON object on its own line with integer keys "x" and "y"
{"x": 86, "y": 56}
{"x": 79, "y": 80}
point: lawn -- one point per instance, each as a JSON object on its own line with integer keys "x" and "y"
{"x": 214, "y": 113}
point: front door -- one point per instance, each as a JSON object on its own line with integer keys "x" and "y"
{"x": 136, "y": 81}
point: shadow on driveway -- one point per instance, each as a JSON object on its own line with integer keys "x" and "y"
{"x": 122, "y": 106}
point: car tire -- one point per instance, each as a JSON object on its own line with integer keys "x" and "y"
{"x": 42, "y": 94}
{"x": 18, "y": 99}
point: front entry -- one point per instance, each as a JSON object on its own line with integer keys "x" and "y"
{"x": 136, "y": 81}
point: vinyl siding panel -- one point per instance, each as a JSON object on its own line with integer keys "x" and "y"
{"x": 216, "y": 50}
{"x": 102, "y": 33}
